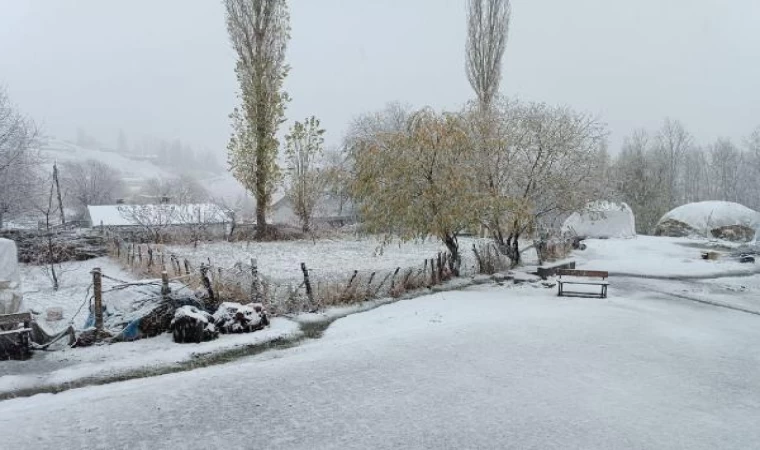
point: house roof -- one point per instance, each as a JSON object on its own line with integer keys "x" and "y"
{"x": 156, "y": 215}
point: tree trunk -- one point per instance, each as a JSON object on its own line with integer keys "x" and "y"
{"x": 453, "y": 246}
{"x": 58, "y": 189}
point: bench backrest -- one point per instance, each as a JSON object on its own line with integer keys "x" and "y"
{"x": 15, "y": 319}
{"x": 583, "y": 273}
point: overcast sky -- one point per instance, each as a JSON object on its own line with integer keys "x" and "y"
{"x": 165, "y": 68}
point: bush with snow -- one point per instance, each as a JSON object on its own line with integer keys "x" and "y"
{"x": 233, "y": 317}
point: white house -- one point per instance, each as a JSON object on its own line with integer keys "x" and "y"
{"x": 161, "y": 215}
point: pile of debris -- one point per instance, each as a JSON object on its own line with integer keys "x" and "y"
{"x": 68, "y": 245}
{"x": 192, "y": 324}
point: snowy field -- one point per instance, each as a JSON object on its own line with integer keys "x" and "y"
{"x": 658, "y": 257}
{"x": 490, "y": 367}
{"x": 324, "y": 257}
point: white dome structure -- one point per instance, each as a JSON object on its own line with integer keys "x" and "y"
{"x": 704, "y": 217}
{"x": 602, "y": 219}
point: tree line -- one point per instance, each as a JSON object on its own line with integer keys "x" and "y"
{"x": 665, "y": 168}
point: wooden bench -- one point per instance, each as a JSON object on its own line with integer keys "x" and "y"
{"x": 582, "y": 277}
{"x": 15, "y": 332}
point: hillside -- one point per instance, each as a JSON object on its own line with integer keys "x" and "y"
{"x": 134, "y": 169}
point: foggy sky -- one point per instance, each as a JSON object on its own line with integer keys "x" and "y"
{"x": 165, "y": 67}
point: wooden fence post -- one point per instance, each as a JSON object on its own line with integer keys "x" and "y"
{"x": 306, "y": 281}
{"x": 393, "y": 278}
{"x": 97, "y": 287}
{"x": 440, "y": 267}
{"x": 207, "y": 283}
{"x": 432, "y": 271}
{"x": 348, "y": 286}
{"x": 255, "y": 294}
{"x": 165, "y": 290}
{"x": 405, "y": 283}
{"x": 187, "y": 267}
{"x": 369, "y": 285}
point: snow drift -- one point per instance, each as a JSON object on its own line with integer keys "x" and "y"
{"x": 10, "y": 280}
{"x": 703, "y": 218}
{"x": 602, "y": 219}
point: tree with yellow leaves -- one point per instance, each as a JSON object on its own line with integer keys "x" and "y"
{"x": 413, "y": 181}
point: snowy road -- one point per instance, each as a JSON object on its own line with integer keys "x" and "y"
{"x": 484, "y": 368}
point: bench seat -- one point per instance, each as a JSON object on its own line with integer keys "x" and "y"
{"x": 583, "y": 278}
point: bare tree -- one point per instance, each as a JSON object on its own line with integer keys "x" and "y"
{"x": 50, "y": 260}
{"x": 537, "y": 162}
{"x": 259, "y": 31}
{"x": 487, "y": 31}
{"x": 154, "y": 220}
{"x": 303, "y": 147}
{"x": 726, "y": 170}
{"x": 18, "y": 158}
{"x": 671, "y": 144}
{"x": 338, "y": 174}
{"x": 90, "y": 183}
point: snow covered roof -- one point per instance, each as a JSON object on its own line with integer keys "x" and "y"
{"x": 705, "y": 216}
{"x": 602, "y": 219}
{"x": 162, "y": 214}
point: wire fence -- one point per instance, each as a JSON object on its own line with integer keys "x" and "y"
{"x": 305, "y": 289}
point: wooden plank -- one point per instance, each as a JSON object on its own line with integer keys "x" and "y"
{"x": 17, "y": 331}
{"x": 548, "y": 271}
{"x": 583, "y": 273}
{"x": 13, "y": 319}
{"x": 590, "y": 282}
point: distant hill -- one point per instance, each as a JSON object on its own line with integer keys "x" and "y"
{"x": 135, "y": 169}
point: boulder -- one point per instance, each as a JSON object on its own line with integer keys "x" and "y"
{"x": 734, "y": 233}
{"x": 674, "y": 228}
{"x": 191, "y": 324}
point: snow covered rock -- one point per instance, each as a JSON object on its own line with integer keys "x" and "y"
{"x": 702, "y": 218}
{"x": 191, "y": 324}
{"x": 602, "y": 219}
{"x": 10, "y": 280}
{"x": 233, "y": 317}
{"x": 734, "y": 233}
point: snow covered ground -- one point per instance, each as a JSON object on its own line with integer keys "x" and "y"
{"x": 324, "y": 257}
{"x": 658, "y": 257}
{"x": 484, "y": 368}
{"x": 160, "y": 354}
{"x": 660, "y": 364}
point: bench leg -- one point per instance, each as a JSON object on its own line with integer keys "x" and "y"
{"x": 559, "y": 289}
